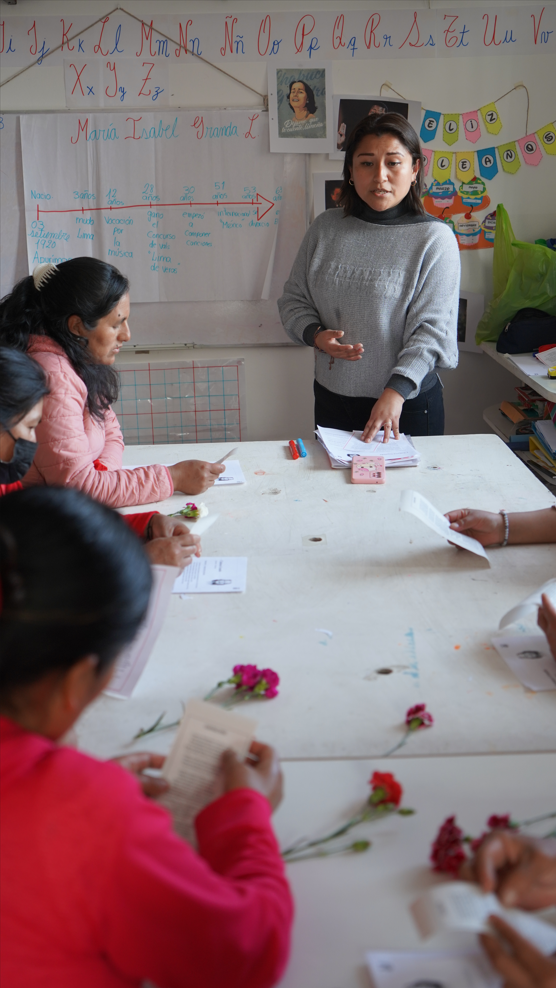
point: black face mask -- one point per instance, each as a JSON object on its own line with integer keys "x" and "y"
{"x": 24, "y": 452}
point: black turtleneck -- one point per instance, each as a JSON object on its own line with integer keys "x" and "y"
{"x": 399, "y": 215}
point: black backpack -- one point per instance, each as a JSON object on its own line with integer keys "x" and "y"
{"x": 527, "y": 331}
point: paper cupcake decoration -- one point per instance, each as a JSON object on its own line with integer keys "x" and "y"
{"x": 488, "y": 226}
{"x": 472, "y": 193}
{"x": 443, "y": 193}
{"x": 449, "y": 222}
{"x": 468, "y": 231}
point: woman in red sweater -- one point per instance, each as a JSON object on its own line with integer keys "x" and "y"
{"x": 96, "y": 889}
{"x": 23, "y": 388}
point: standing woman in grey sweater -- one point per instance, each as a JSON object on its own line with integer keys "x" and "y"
{"x": 382, "y": 277}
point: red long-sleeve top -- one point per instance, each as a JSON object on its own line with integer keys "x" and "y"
{"x": 97, "y": 890}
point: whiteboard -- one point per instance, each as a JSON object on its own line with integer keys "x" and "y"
{"x": 204, "y": 323}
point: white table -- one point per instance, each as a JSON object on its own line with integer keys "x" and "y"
{"x": 392, "y": 593}
{"x": 353, "y": 903}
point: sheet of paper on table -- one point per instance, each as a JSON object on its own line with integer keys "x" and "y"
{"x": 462, "y": 906}
{"x": 401, "y": 969}
{"x": 528, "y": 364}
{"x": 213, "y": 574}
{"x": 529, "y": 605}
{"x": 342, "y": 446}
{"x": 134, "y": 658}
{"x": 530, "y": 659}
{"x": 233, "y": 474}
{"x": 416, "y": 504}
{"x": 192, "y": 766}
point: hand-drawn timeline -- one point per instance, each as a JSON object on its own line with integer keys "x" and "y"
{"x": 186, "y": 204}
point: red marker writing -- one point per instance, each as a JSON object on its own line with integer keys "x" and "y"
{"x": 293, "y": 450}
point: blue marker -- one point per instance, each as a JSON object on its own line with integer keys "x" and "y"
{"x": 301, "y": 447}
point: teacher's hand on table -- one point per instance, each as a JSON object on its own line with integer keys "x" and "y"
{"x": 137, "y": 763}
{"x": 385, "y": 415}
{"x": 194, "y": 476}
{"x": 260, "y": 771}
{"x": 327, "y": 341}
{"x": 171, "y": 543}
{"x": 484, "y": 526}
{"x": 547, "y": 622}
{"x": 520, "y": 870}
{"x": 518, "y": 961}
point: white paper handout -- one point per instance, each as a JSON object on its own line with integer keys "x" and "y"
{"x": 401, "y": 969}
{"x": 134, "y": 658}
{"x": 529, "y": 604}
{"x": 416, "y": 504}
{"x": 233, "y": 474}
{"x": 342, "y": 446}
{"x": 528, "y": 364}
{"x": 530, "y": 659}
{"x": 462, "y": 906}
{"x": 192, "y": 765}
{"x": 213, "y": 574}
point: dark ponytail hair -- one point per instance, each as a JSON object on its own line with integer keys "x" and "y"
{"x": 22, "y": 385}
{"x": 74, "y": 581}
{"x": 379, "y": 124}
{"x": 83, "y": 286}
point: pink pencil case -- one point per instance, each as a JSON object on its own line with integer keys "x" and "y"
{"x": 368, "y": 470}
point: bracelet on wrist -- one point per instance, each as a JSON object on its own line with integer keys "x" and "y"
{"x": 506, "y": 538}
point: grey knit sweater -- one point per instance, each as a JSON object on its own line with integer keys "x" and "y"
{"x": 394, "y": 287}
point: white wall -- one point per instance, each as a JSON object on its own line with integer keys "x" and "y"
{"x": 279, "y": 379}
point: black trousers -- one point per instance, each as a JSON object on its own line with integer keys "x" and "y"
{"x": 421, "y": 416}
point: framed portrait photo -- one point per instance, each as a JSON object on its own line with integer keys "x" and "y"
{"x": 470, "y": 310}
{"x": 326, "y": 191}
{"x": 300, "y": 107}
{"x": 349, "y": 110}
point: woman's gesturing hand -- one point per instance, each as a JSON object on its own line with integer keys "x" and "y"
{"x": 194, "y": 476}
{"x": 520, "y": 870}
{"x": 327, "y": 340}
{"x": 261, "y": 771}
{"x": 385, "y": 415}
{"x": 484, "y": 526}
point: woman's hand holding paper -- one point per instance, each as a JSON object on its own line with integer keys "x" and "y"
{"x": 518, "y": 961}
{"x": 520, "y": 870}
{"x": 263, "y": 774}
{"x": 171, "y": 543}
{"x": 486, "y": 527}
{"x": 137, "y": 763}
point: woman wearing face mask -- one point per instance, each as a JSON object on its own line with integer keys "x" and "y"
{"x": 23, "y": 388}
{"x": 73, "y": 319}
{"x": 375, "y": 290}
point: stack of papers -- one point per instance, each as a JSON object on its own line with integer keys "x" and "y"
{"x": 547, "y": 357}
{"x": 341, "y": 447}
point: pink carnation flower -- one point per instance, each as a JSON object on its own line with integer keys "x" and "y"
{"x": 272, "y": 680}
{"x": 418, "y": 717}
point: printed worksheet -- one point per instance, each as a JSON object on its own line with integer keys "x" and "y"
{"x": 418, "y": 505}
{"x": 134, "y": 658}
{"x": 529, "y": 604}
{"x": 192, "y": 765}
{"x": 463, "y": 906}
{"x": 401, "y": 969}
{"x": 233, "y": 474}
{"x": 530, "y": 659}
{"x": 213, "y": 574}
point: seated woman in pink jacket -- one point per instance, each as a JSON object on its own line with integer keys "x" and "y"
{"x": 72, "y": 319}
{"x": 23, "y": 389}
{"x": 95, "y": 887}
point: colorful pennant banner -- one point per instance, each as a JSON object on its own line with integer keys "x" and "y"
{"x": 471, "y": 124}
{"x": 490, "y": 160}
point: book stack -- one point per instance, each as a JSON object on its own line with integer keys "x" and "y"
{"x": 530, "y": 408}
{"x": 341, "y": 447}
{"x": 542, "y": 444}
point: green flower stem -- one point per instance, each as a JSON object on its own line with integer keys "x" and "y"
{"x": 357, "y": 848}
{"x": 535, "y": 819}
{"x": 154, "y": 728}
{"x": 397, "y": 746}
{"x": 365, "y": 815}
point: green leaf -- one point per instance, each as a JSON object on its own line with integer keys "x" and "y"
{"x": 405, "y": 811}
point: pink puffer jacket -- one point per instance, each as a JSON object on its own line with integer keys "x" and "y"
{"x": 70, "y": 440}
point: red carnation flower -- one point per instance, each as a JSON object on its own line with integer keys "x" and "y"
{"x": 447, "y": 853}
{"x": 418, "y": 717}
{"x": 385, "y": 789}
{"x": 499, "y": 822}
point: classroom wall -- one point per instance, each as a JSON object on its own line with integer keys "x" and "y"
{"x": 279, "y": 379}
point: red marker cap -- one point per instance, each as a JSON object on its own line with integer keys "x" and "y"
{"x": 293, "y": 450}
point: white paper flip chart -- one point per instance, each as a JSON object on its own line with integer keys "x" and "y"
{"x": 186, "y": 204}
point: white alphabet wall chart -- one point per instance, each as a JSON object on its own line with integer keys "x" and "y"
{"x": 186, "y": 203}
